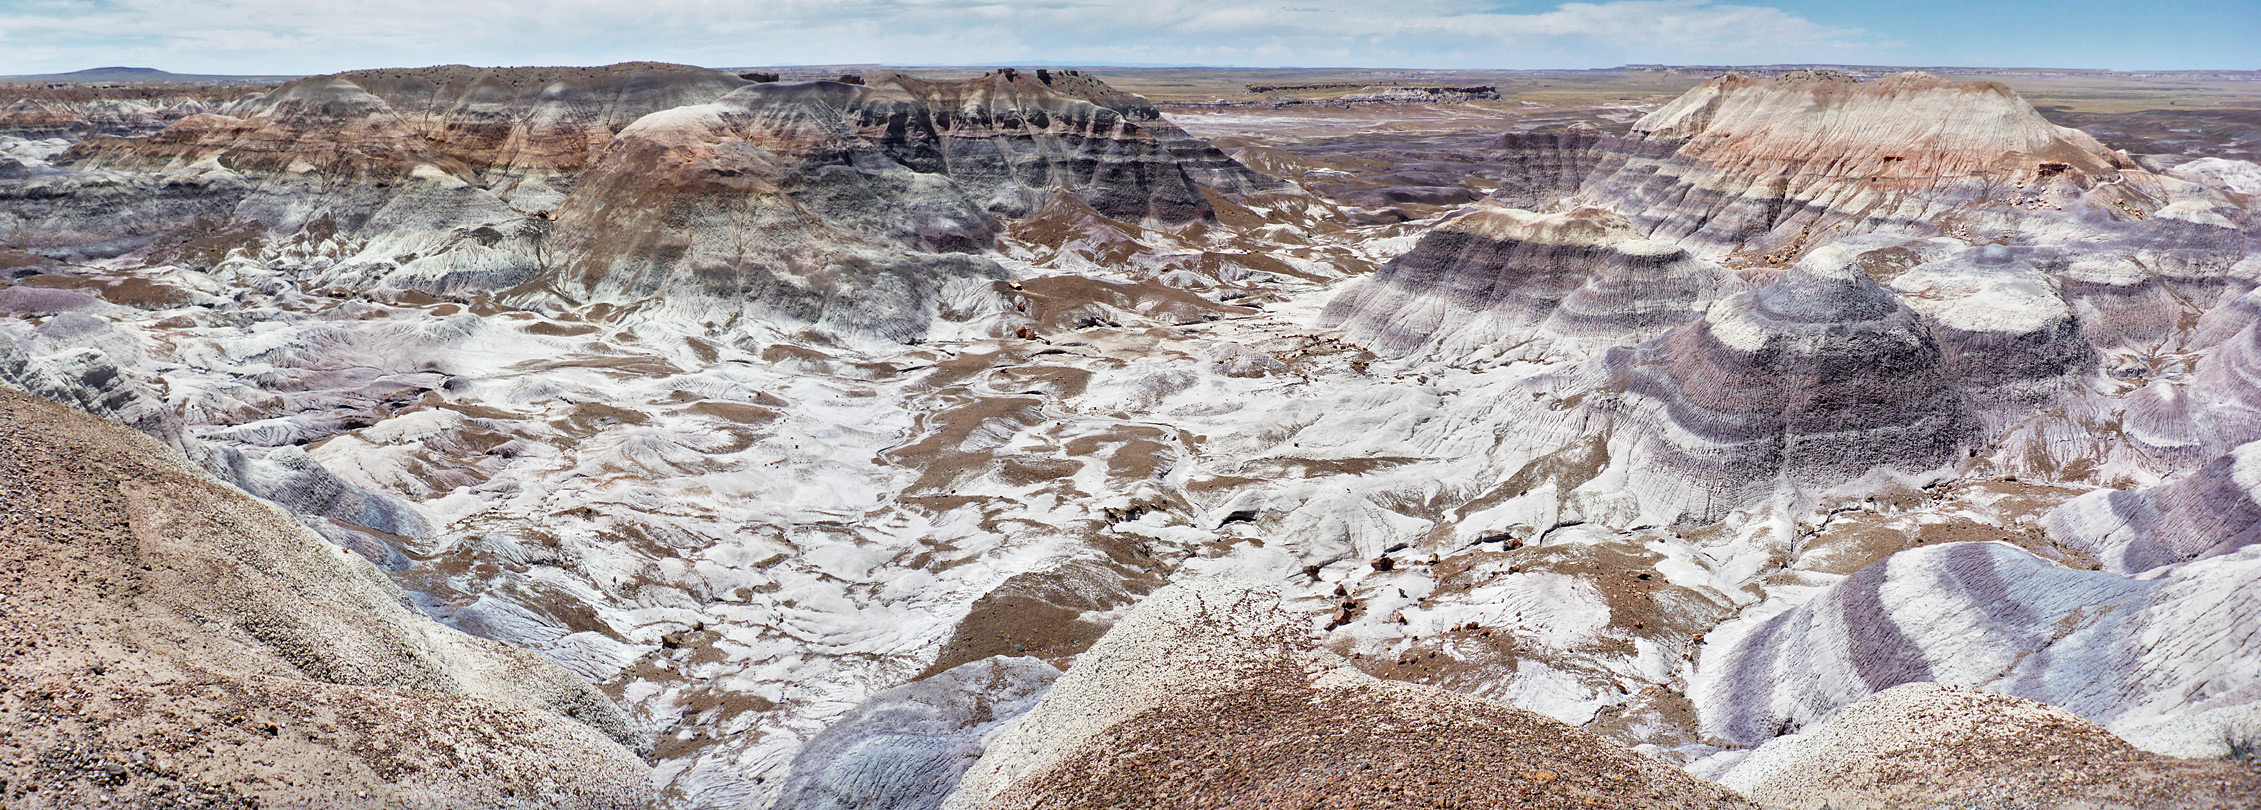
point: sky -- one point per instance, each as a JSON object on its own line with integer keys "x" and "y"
{"x": 318, "y": 36}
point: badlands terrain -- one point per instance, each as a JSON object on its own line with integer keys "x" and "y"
{"x": 853, "y": 437}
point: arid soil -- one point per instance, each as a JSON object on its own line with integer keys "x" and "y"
{"x": 170, "y": 642}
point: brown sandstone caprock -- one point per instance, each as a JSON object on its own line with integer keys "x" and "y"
{"x": 166, "y": 640}
{"x": 1210, "y": 695}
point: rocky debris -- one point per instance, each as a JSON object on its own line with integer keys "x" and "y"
{"x": 170, "y": 639}
{"x": 1209, "y": 694}
{"x": 2161, "y": 660}
{"x": 1926, "y": 745}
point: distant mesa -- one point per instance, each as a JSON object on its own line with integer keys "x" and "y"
{"x": 1769, "y": 168}
{"x": 118, "y": 71}
{"x": 120, "y": 74}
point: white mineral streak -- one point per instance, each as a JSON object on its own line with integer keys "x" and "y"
{"x": 1589, "y": 453}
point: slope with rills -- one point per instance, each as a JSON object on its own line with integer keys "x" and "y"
{"x": 1499, "y": 278}
{"x": 171, "y": 639}
{"x": 1766, "y": 169}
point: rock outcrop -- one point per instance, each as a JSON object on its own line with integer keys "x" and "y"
{"x": 1769, "y": 168}
{"x": 813, "y": 204}
{"x": 433, "y": 178}
{"x": 1209, "y": 694}
{"x": 1010, "y": 138}
{"x": 1538, "y": 169}
{"x": 767, "y": 205}
{"x": 170, "y": 639}
{"x": 505, "y": 130}
{"x": 526, "y": 133}
{"x": 846, "y": 206}
{"x": 63, "y": 116}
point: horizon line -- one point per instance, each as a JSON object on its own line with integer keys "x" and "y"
{"x": 1171, "y": 66}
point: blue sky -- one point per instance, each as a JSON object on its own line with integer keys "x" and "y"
{"x": 312, "y": 36}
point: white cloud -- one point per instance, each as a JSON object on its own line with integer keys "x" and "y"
{"x": 252, "y": 36}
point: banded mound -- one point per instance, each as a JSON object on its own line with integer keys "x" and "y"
{"x": 496, "y": 127}
{"x": 2163, "y": 660}
{"x": 526, "y": 133}
{"x": 767, "y": 207}
{"x": 1817, "y": 378}
{"x": 842, "y": 207}
{"x": 1499, "y": 277}
{"x": 2204, "y": 512}
{"x": 845, "y": 206}
{"x": 1011, "y": 138}
{"x": 170, "y": 639}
